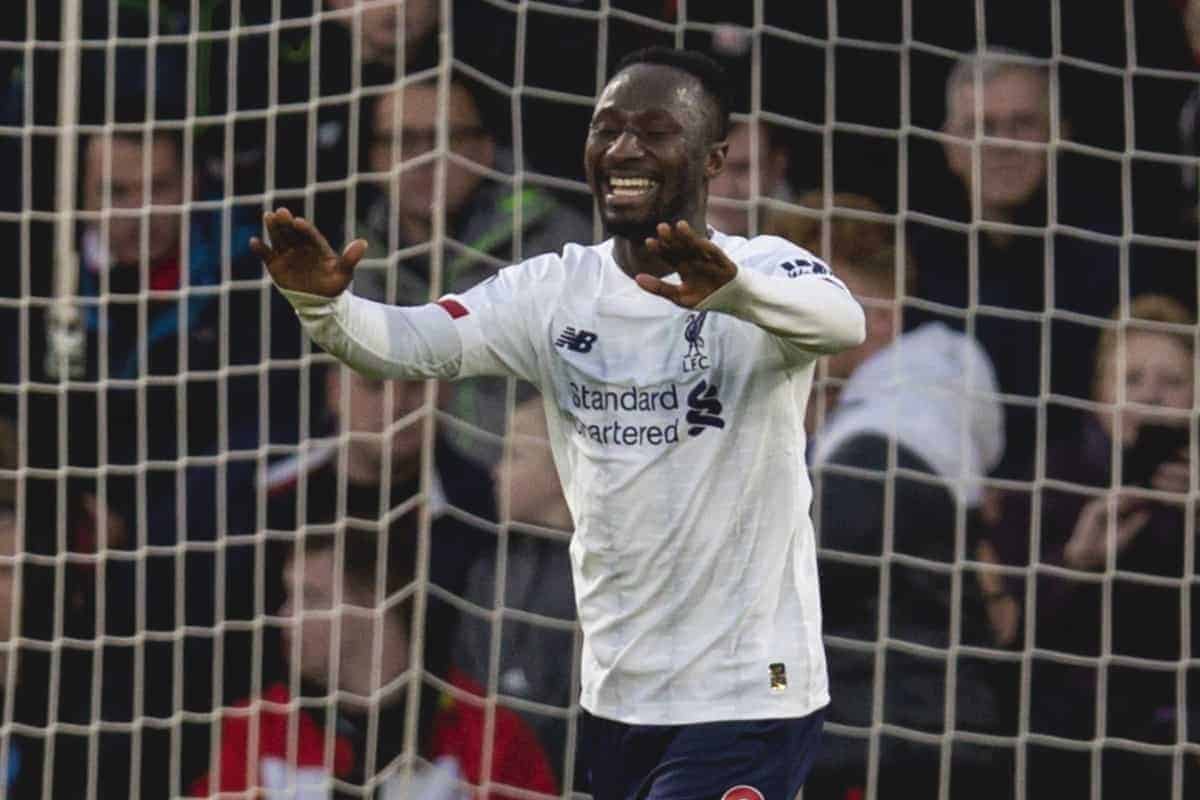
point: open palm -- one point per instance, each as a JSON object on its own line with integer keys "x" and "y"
{"x": 300, "y": 259}
{"x": 702, "y": 266}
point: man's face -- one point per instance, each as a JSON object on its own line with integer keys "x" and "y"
{"x": 371, "y": 417}
{"x": 405, "y": 128}
{"x": 381, "y": 25}
{"x": 124, "y": 176}
{"x": 648, "y": 156}
{"x": 1015, "y": 106}
{"x": 735, "y": 180}
{"x": 314, "y": 604}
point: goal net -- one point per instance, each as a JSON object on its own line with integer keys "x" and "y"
{"x": 228, "y": 564}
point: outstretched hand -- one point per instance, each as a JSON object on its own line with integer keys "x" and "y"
{"x": 301, "y": 260}
{"x": 702, "y": 266}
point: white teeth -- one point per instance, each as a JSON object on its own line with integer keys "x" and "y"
{"x": 628, "y": 187}
{"x": 631, "y": 183}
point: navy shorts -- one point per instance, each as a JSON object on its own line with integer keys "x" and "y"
{"x": 740, "y": 760}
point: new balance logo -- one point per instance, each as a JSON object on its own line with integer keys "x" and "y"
{"x": 577, "y": 341}
{"x": 804, "y": 266}
{"x": 704, "y": 409}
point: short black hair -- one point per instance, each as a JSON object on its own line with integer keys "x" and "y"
{"x": 711, "y": 75}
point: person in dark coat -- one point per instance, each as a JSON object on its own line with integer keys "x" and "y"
{"x": 1006, "y": 259}
{"x": 1108, "y": 586}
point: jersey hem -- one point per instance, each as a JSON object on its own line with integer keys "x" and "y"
{"x": 702, "y": 711}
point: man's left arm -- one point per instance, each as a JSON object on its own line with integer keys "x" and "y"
{"x": 814, "y": 314}
{"x": 805, "y": 307}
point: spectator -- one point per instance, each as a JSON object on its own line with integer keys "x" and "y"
{"x": 481, "y": 221}
{"x": 366, "y": 643}
{"x": 359, "y": 46}
{"x": 181, "y": 332}
{"x": 930, "y": 393}
{"x": 1183, "y": 199}
{"x": 165, "y": 381}
{"x": 479, "y": 211}
{"x": 373, "y": 469}
{"x": 535, "y": 656}
{"x": 1126, "y": 570}
{"x": 736, "y": 182}
{"x": 384, "y": 33}
{"x": 1001, "y": 280}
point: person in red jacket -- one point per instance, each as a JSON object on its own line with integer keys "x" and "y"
{"x": 335, "y": 742}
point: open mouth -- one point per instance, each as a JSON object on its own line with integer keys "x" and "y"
{"x": 629, "y": 189}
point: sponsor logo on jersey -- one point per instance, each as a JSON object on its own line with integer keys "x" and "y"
{"x": 804, "y": 266}
{"x": 696, "y": 359}
{"x": 704, "y": 409}
{"x": 742, "y": 792}
{"x": 625, "y": 404}
{"x": 580, "y": 341}
{"x": 633, "y": 415}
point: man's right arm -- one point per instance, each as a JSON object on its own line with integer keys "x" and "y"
{"x": 380, "y": 340}
{"x": 484, "y": 331}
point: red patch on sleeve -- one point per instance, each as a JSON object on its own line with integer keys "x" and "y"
{"x": 454, "y": 308}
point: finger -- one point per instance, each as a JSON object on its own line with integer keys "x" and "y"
{"x": 274, "y": 226}
{"x": 1129, "y": 527}
{"x": 1127, "y": 503}
{"x": 696, "y": 248}
{"x": 1094, "y": 514}
{"x": 675, "y": 247}
{"x": 282, "y": 230}
{"x": 307, "y": 233}
{"x": 260, "y": 248}
{"x": 352, "y": 255}
{"x": 1172, "y": 477}
{"x": 286, "y": 223}
{"x": 653, "y": 285}
{"x": 684, "y": 230}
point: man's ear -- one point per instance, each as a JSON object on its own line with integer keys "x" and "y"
{"x": 715, "y": 163}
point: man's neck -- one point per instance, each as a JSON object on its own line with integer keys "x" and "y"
{"x": 633, "y": 257}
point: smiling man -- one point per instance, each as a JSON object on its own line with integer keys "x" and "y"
{"x": 693, "y": 555}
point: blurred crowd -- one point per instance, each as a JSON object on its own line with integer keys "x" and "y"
{"x": 228, "y": 564}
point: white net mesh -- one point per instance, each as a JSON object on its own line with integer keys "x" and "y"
{"x": 990, "y": 630}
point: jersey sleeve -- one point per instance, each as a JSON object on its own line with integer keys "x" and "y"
{"x": 793, "y": 296}
{"x": 497, "y": 319}
{"x": 380, "y": 340}
{"x": 483, "y": 331}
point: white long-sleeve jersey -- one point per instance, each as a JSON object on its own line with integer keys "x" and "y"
{"x": 678, "y": 436}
